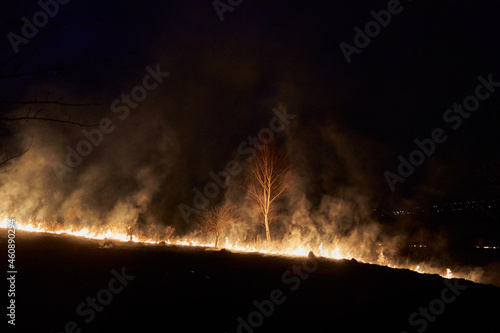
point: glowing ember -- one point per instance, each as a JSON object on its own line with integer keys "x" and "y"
{"x": 488, "y": 247}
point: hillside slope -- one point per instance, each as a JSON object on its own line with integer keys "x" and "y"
{"x": 220, "y": 291}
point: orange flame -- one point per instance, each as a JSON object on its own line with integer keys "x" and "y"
{"x": 295, "y": 251}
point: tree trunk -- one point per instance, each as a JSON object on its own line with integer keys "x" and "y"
{"x": 216, "y": 240}
{"x": 268, "y": 234}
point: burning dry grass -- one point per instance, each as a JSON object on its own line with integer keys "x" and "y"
{"x": 279, "y": 248}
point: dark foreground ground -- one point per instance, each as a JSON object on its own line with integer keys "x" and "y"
{"x": 193, "y": 290}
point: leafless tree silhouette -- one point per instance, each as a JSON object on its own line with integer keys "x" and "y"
{"x": 30, "y": 64}
{"x": 265, "y": 181}
{"x": 216, "y": 220}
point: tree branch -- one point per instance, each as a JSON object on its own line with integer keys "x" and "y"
{"x": 15, "y": 156}
{"x": 49, "y": 102}
{"x": 48, "y": 119}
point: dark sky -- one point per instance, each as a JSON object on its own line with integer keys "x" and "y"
{"x": 225, "y": 77}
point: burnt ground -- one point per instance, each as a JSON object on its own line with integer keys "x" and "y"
{"x": 179, "y": 289}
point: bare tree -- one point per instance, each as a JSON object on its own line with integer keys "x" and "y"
{"x": 265, "y": 181}
{"x": 216, "y": 220}
{"x": 28, "y": 66}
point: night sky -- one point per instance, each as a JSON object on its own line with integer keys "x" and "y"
{"x": 225, "y": 78}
